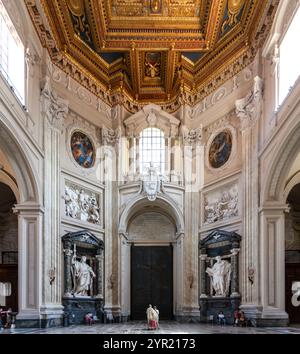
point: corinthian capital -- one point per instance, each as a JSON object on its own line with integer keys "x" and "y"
{"x": 191, "y": 137}
{"x": 110, "y": 136}
{"x": 248, "y": 109}
{"x": 54, "y": 107}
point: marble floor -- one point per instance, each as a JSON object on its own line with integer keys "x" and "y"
{"x": 166, "y": 327}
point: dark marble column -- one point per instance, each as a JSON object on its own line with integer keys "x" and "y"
{"x": 67, "y": 268}
{"x": 100, "y": 260}
{"x": 203, "y": 257}
{"x": 235, "y": 273}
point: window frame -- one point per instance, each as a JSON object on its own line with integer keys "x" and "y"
{"x": 152, "y": 149}
{"x": 14, "y": 48}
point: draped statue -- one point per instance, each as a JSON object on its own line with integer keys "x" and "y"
{"x": 82, "y": 276}
{"x": 220, "y": 275}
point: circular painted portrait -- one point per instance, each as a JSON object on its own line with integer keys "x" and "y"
{"x": 220, "y": 149}
{"x": 82, "y": 149}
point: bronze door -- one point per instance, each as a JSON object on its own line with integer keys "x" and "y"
{"x": 151, "y": 281}
{"x": 292, "y": 274}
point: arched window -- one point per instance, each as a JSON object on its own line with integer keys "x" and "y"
{"x": 289, "y": 68}
{"x": 12, "y": 58}
{"x": 152, "y": 150}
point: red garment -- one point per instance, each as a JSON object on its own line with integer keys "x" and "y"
{"x": 152, "y": 324}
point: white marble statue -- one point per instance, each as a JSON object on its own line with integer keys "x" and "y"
{"x": 82, "y": 276}
{"x": 220, "y": 276}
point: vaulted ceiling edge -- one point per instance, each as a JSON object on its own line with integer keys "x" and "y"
{"x": 168, "y": 52}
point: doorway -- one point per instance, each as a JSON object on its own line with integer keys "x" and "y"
{"x": 151, "y": 280}
{"x": 292, "y": 252}
{"x": 8, "y": 247}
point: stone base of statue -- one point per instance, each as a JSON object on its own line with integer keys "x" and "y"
{"x": 76, "y": 308}
{"x": 210, "y": 307}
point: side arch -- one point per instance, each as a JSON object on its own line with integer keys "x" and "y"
{"x": 283, "y": 158}
{"x": 17, "y": 156}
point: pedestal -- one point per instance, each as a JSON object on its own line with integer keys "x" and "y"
{"x": 77, "y": 308}
{"x": 211, "y": 306}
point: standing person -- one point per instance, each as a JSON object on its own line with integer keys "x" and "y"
{"x": 8, "y": 318}
{"x": 156, "y": 316}
{"x": 221, "y": 318}
{"x": 151, "y": 317}
{"x": 236, "y": 316}
{"x": 1, "y": 324}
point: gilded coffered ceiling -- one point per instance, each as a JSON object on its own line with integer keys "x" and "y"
{"x": 145, "y": 51}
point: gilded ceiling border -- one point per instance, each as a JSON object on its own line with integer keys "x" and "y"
{"x": 121, "y": 95}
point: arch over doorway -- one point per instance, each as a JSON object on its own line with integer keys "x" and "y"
{"x": 281, "y": 161}
{"x": 292, "y": 251}
{"x": 17, "y": 155}
{"x": 162, "y": 202}
{"x": 165, "y": 212}
{"x": 30, "y": 220}
{"x": 8, "y": 246}
{"x": 274, "y": 192}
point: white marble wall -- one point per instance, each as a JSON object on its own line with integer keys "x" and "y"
{"x": 265, "y": 145}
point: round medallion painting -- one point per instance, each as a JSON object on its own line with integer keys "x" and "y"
{"x": 220, "y": 149}
{"x": 82, "y": 149}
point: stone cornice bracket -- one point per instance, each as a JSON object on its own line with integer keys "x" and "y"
{"x": 248, "y": 109}
{"x": 54, "y": 107}
{"x": 110, "y": 136}
{"x": 192, "y": 137}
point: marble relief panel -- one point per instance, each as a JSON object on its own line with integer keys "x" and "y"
{"x": 221, "y": 204}
{"x": 82, "y": 204}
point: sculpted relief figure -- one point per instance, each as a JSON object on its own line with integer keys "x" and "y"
{"x": 82, "y": 276}
{"x": 94, "y": 210}
{"x": 79, "y": 204}
{"x": 220, "y": 276}
{"x": 71, "y": 202}
{"x": 223, "y": 207}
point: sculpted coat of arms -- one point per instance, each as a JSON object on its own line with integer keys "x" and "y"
{"x": 151, "y": 183}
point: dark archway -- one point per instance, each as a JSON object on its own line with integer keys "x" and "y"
{"x": 292, "y": 251}
{"x": 8, "y": 246}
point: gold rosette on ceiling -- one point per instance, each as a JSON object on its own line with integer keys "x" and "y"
{"x": 76, "y": 7}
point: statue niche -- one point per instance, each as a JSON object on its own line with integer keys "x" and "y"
{"x": 83, "y": 276}
{"x": 219, "y": 275}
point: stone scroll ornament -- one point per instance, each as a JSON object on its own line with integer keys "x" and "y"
{"x": 81, "y": 204}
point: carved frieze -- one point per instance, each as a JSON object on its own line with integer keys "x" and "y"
{"x": 248, "y": 108}
{"x": 54, "y": 107}
{"x": 81, "y": 204}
